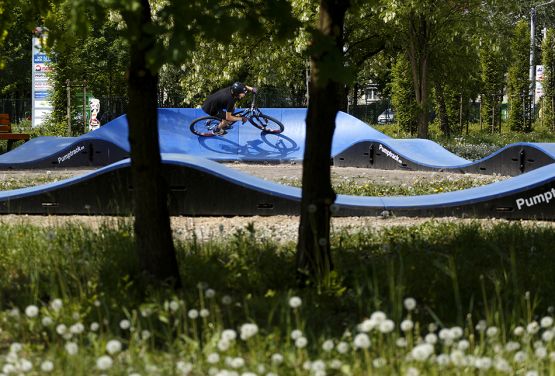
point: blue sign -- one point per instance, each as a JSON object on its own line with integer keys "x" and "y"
{"x": 41, "y": 95}
{"x": 40, "y": 58}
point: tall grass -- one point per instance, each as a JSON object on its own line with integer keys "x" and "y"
{"x": 438, "y": 297}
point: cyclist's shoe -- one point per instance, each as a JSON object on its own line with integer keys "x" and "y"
{"x": 244, "y": 119}
{"x": 219, "y": 132}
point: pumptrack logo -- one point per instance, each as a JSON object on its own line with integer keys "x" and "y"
{"x": 64, "y": 158}
{"x": 390, "y": 154}
{"x": 542, "y": 198}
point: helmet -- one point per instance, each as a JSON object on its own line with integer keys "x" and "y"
{"x": 238, "y": 88}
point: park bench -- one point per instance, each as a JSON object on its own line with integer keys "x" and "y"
{"x": 6, "y": 132}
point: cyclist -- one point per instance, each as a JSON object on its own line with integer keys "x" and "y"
{"x": 222, "y": 103}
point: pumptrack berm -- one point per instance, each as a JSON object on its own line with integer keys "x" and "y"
{"x": 192, "y": 175}
{"x": 191, "y": 180}
{"x": 355, "y": 144}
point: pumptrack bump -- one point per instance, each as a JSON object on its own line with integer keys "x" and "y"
{"x": 196, "y": 185}
{"x": 355, "y": 144}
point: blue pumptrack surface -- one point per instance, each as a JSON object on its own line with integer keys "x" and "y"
{"x": 188, "y": 162}
{"x": 194, "y": 179}
{"x": 244, "y": 142}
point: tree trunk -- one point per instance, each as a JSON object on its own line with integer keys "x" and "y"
{"x": 442, "y": 111}
{"x": 154, "y": 244}
{"x": 418, "y": 56}
{"x": 314, "y": 261}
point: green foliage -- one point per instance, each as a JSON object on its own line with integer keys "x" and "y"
{"x": 548, "y": 61}
{"x": 403, "y": 97}
{"x": 518, "y": 81}
{"x": 492, "y": 74}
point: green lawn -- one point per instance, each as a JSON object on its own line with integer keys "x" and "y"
{"x": 435, "y": 298}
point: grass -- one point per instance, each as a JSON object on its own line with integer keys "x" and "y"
{"x": 435, "y": 298}
{"x": 479, "y": 142}
{"x": 419, "y": 186}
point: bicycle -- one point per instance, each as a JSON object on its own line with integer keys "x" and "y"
{"x": 204, "y": 126}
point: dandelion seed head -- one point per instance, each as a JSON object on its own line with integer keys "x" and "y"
{"x": 210, "y": 293}
{"x": 47, "y": 366}
{"x": 518, "y": 331}
{"x": 237, "y": 362}
{"x": 47, "y": 321}
{"x": 301, "y": 342}
{"x": 431, "y": 338}
{"x": 409, "y": 304}
{"x": 277, "y": 358}
{"x": 71, "y": 348}
{"x": 463, "y": 345}
{"x": 77, "y": 328}
{"x": 401, "y": 342}
{"x": 456, "y": 332}
{"x": 361, "y": 341}
{"x": 407, "y": 325}
{"x": 520, "y": 357}
{"x": 94, "y": 326}
{"x": 295, "y": 334}
{"x": 113, "y": 346}
{"x": 229, "y": 334}
{"x": 546, "y": 322}
{"x": 492, "y": 331}
{"x": 422, "y": 352}
{"x": 548, "y": 335}
{"x": 411, "y": 371}
{"x": 124, "y": 324}
{"x": 25, "y": 365}
{"x": 223, "y": 345}
{"x": 32, "y": 311}
{"x": 295, "y": 302}
{"x": 16, "y": 347}
{"x": 174, "y": 305}
{"x": 226, "y": 300}
{"x": 342, "y": 347}
{"x": 386, "y": 326}
{"x": 184, "y": 367}
{"x": 145, "y": 334}
{"x": 56, "y": 304}
{"x": 248, "y": 330}
{"x": 327, "y": 345}
{"x": 533, "y": 327}
{"x": 213, "y": 358}
{"x": 104, "y": 363}
{"x": 193, "y": 314}
{"x": 204, "y": 313}
{"x": 61, "y": 329}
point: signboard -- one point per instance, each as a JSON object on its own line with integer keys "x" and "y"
{"x": 41, "y": 85}
{"x": 538, "y": 92}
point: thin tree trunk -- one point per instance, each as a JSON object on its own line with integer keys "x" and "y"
{"x": 314, "y": 261}
{"x": 418, "y": 57}
{"x": 154, "y": 244}
{"x": 442, "y": 110}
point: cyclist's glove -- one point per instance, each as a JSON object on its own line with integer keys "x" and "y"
{"x": 243, "y": 119}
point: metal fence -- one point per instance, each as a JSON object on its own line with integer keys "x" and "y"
{"x": 18, "y": 109}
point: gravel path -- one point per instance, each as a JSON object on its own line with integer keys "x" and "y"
{"x": 281, "y": 228}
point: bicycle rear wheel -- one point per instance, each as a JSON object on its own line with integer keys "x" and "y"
{"x": 204, "y": 126}
{"x": 266, "y": 123}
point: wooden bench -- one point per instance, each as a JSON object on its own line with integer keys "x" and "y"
{"x": 6, "y": 132}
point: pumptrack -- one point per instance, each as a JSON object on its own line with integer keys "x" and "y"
{"x": 196, "y": 181}
{"x": 196, "y": 186}
{"x": 355, "y": 144}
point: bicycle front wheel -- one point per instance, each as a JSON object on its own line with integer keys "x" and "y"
{"x": 266, "y": 123}
{"x": 204, "y": 126}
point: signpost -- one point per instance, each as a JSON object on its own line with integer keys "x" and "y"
{"x": 41, "y": 85}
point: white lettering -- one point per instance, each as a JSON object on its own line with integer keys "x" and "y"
{"x": 390, "y": 154}
{"x": 70, "y": 154}
{"x": 544, "y": 197}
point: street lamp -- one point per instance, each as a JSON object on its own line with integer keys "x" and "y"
{"x": 532, "y": 44}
